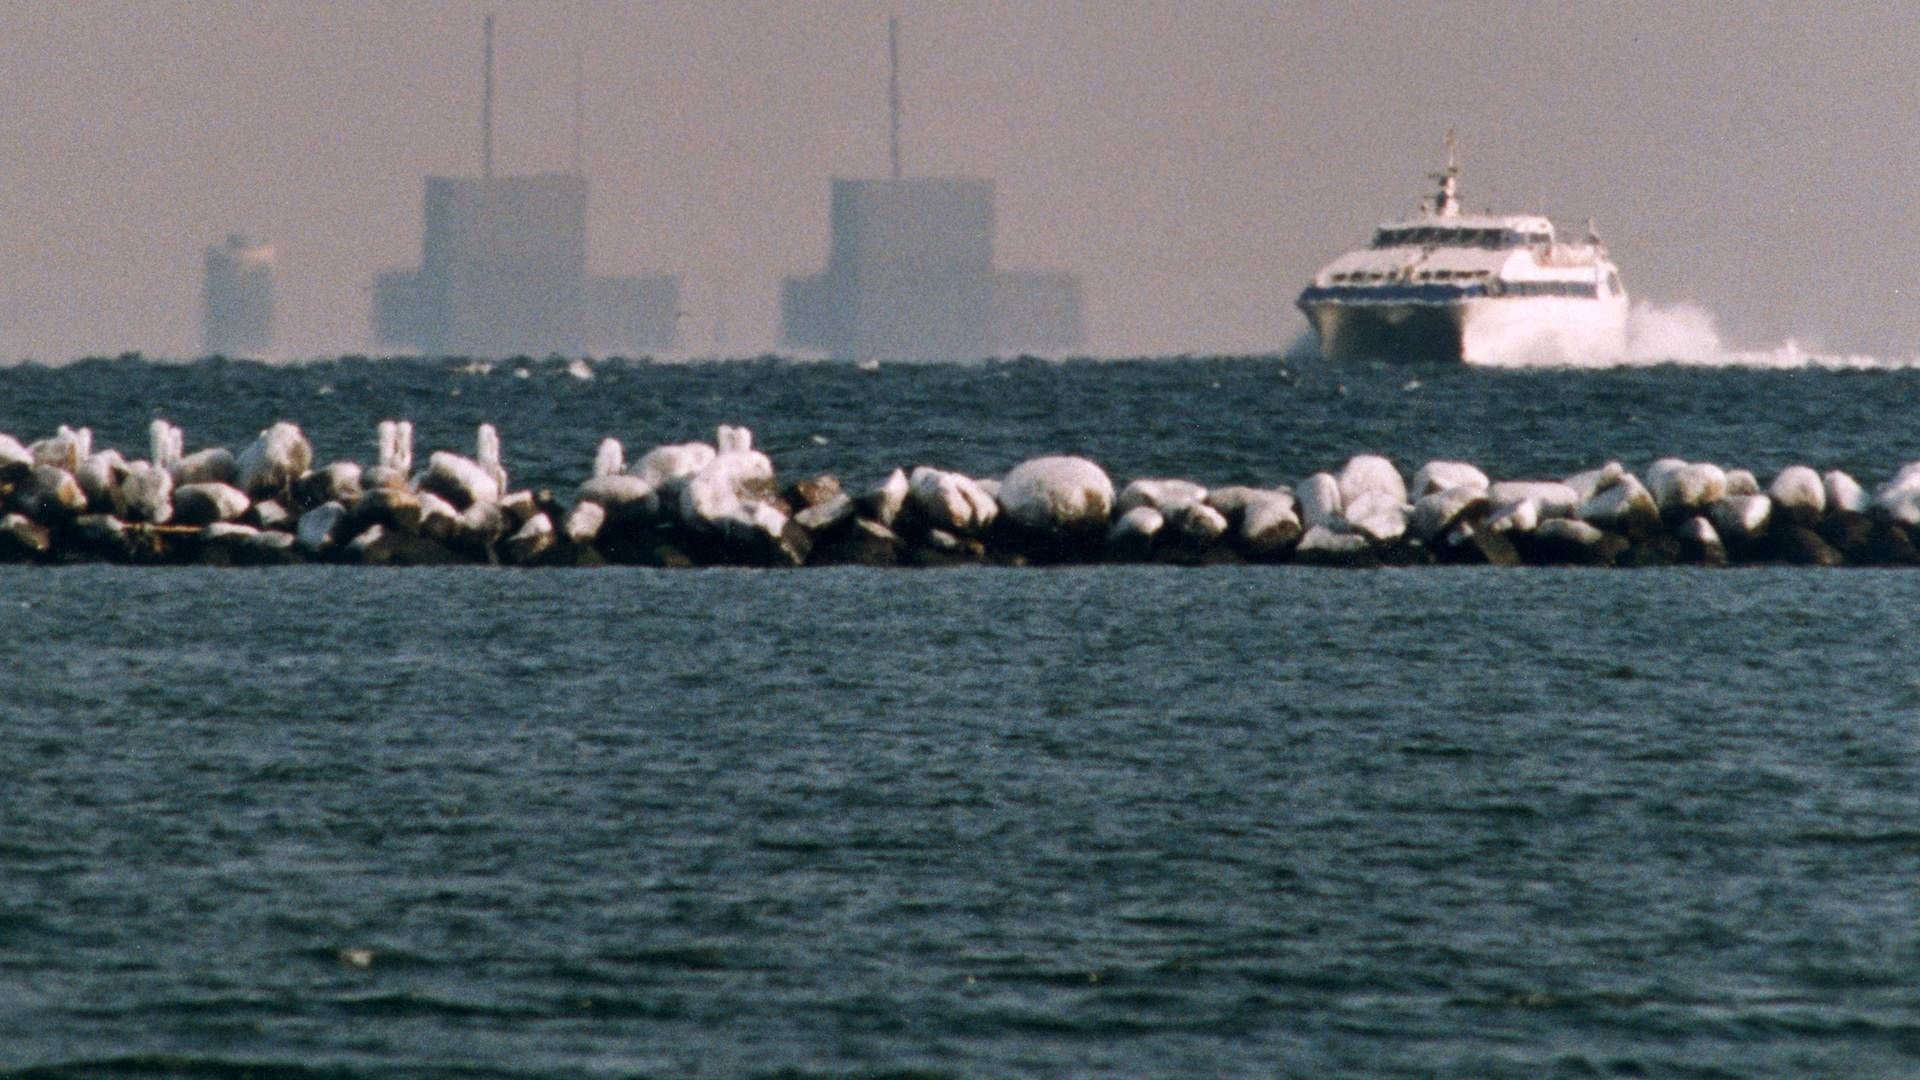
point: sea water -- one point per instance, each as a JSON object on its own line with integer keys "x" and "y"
{"x": 1159, "y": 821}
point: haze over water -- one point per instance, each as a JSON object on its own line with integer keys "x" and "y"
{"x": 1196, "y": 162}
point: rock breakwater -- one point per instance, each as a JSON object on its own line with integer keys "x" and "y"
{"x": 722, "y": 503}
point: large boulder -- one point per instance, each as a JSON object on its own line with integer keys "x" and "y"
{"x": 1322, "y": 546}
{"x": 1438, "y": 512}
{"x": 1058, "y": 499}
{"x": 883, "y": 502}
{"x": 146, "y": 493}
{"x": 1371, "y": 474}
{"x": 213, "y": 465}
{"x": 1683, "y": 489}
{"x": 273, "y": 461}
{"x": 1158, "y": 494}
{"x": 208, "y": 504}
{"x": 1844, "y": 493}
{"x": 1551, "y": 498}
{"x": 1269, "y": 526}
{"x": 50, "y": 495}
{"x": 1799, "y": 493}
{"x": 63, "y": 450}
{"x": 1622, "y": 506}
{"x": 1320, "y": 502}
{"x": 951, "y": 501}
{"x": 625, "y": 499}
{"x": 1437, "y": 476}
{"x": 460, "y": 480}
{"x": 1133, "y": 534}
{"x": 675, "y": 462}
{"x": 1378, "y": 515}
{"x": 338, "y": 482}
{"x": 319, "y": 528}
{"x": 1741, "y": 520}
{"x": 13, "y": 452}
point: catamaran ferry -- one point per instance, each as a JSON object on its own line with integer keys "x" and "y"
{"x": 1470, "y": 288}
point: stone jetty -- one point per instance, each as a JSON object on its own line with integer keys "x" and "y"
{"x": 722, "y": 503}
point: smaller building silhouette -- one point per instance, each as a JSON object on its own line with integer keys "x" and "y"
{"x": 237, "y": 299}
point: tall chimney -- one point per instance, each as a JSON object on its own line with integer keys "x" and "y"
{"x": 486, "y": 103}
{"x": 893, "y": 92}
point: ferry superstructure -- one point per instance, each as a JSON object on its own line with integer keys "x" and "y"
{"x": 1497, "y": 290}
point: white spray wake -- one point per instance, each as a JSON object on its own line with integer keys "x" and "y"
{"x": 1686, "y": 334}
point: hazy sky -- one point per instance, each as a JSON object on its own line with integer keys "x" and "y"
{"x": 1195, "y": 161}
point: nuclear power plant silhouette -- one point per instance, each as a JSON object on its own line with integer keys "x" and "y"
{"x": 910, "y": 271}
{"x": 503, "y": 267}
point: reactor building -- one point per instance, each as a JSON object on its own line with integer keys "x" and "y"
{"x": 503, "y": 270}
{"x": 237, "y": 299}
{"x": 910, "y": 273}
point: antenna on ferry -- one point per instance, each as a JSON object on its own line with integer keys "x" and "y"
{"x": 1447, "y": 203}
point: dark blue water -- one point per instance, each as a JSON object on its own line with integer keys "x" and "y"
{"x": 1139, "y": 821}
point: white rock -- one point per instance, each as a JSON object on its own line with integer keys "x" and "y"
{"x": 439, "y": 519}
{"x": 1371, "y": 474}
{"x": 146, "y": 493}
{"x": 1686, "y": 488}
{"x": 12, "y": 452}
{"x": 1592, "y": 482}
{"x": 675, "y": 462}
{"x": 951, "y": 501}
{"x": 1320, "y": 502}
{"x": 213, "y": 465}
{"x": 1133, "y": 532}
{"x": 610, "y": 459}
{"x": 1269, "y": 524}
{"x": 885, "y": 501}
{"x": 1569, "y": 531}
{"x": 1742, "y": 482}
{"x": 1320, "y": 542}
{"x": 826, "y": 516}
{"x": 729, "y": 482}
{"x": 274, "y": 461}
{"x": 1551, "y": 499}
{"x": 1195, "y": 523}
{"x": 1437, "y": 511}
{"x": 1742, "y": 518}
{"x": 165, "y": 444}
{"x": 208, "y": 504}
{"x": 459, "y": 480}
{"x": 1799, "y": 494}
{"x": 1516, "y": 517}
{"x": 486, "y": 452}
{"x": 584, "y": 522}
{"x": 1436, "y": 476}
{"x": 624, "y": 498}
{"x": 1621, "y": 506}
{"x": 1158, "y": 494}
{"x": 1234, "y": 499}
{"x": 65, "y": 449}
{"x": 316, "y": 531}
{"x": 1378, "y": 515}
{"x": 733, "y": 440}
{"x": 99, "y": 476}
{"x": 531, "y": 540}
{"x": 1699, "y": 530}
{"x": 1844, "y": 493}
{"x": 396, "y": 447}
{"x": 1058, "y": 495}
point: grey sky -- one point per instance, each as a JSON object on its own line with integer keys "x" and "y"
{"x": 1194, "y": 161}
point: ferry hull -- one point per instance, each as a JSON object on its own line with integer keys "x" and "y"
{"x": 1489, "y": 332}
